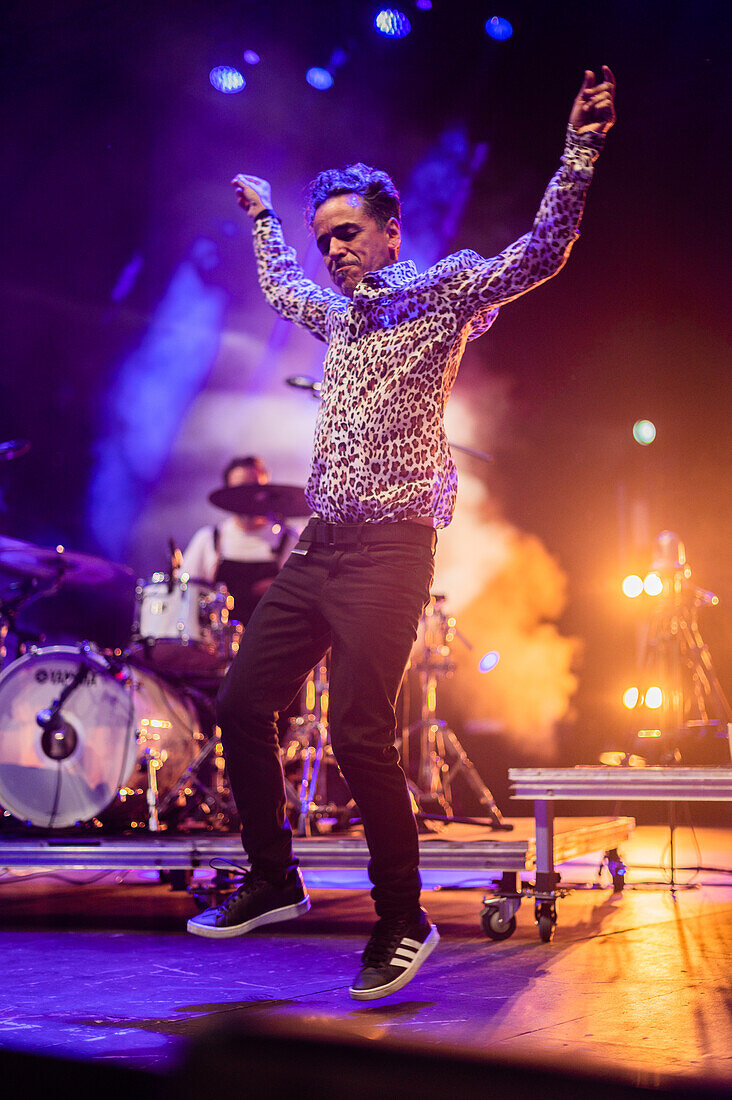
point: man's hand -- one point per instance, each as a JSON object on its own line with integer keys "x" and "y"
{"x": 252, "y": 194}
{"x": 594, "y": 107}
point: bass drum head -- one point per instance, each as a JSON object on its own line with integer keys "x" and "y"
{"x": 71, "y": 771}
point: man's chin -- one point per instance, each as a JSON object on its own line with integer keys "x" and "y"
{"x": 347, "y": 283}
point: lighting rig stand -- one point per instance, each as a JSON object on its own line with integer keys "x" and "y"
{"x": 677, "y": 658}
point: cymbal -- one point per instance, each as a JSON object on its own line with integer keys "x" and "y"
{"x": 24, "y": 559}
{"x": 262, "y": 500}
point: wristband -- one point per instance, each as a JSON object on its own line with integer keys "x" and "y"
{"x": 266, "y": 213}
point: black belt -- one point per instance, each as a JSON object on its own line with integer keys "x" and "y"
{"x": 342, "y": 535}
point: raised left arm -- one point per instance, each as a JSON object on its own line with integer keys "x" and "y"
{"x": 486, "y": 284}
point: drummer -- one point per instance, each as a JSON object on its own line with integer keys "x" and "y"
{"x": 243, "y": 552}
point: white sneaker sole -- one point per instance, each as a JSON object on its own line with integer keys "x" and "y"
{"x": 273, "y": 916}
{"x": 406, "y": 976}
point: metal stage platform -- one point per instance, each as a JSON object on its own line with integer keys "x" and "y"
{"x": 458, "y": 854}
{"x": 545, "y": 786}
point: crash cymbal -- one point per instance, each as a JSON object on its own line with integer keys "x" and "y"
{"x": 262, "y": 500}
{"x": 24, "y": 559}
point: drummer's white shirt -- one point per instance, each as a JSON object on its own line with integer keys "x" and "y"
{"x": 201, "y": 560}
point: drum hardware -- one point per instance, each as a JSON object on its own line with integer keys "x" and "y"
{"x": 441, "y": 756}
{"x": 151, "y": 795}
{"x": 21, "y": 594}
{"x": 309, "y": 751}
{"x": 216, "y": 801}
{"x": 183, "y": 626}
{"x": 83, "y": 734}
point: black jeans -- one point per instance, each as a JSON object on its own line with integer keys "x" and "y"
{"x": 365, "y": 603}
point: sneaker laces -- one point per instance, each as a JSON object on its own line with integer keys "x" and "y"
{"x": 249, "y": 880}
{"x": 383, "y": 941}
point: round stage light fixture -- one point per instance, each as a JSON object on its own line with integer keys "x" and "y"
{"x": 392, "y": 23}
{"x": 319, "y": 78}
{"x": 251, "y": 57}
{"x": 631, "y": 698}
{"x": 644, "y": 432}
{"x": 632, "y": 586}
{"x": 653, "y": 584}
{"x": 654, "y": 698}
{"x": 498, "y": 28}
{"x": 226, "y": 79}
{"x": 489, "y": 661}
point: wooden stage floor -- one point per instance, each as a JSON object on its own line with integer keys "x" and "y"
{"x": 100, "y": 968}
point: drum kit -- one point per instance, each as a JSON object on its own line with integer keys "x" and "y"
{"x": 126, "y": 738}
{"x": 103, "y": 738}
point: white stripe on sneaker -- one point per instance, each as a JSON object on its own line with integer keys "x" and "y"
{"x": 408, "y": 969}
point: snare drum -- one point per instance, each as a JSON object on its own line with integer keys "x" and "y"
{"x": 96, "y": 749}
{"x": 183, "y": 626}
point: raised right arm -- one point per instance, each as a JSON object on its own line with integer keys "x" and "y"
{"x": 281, "y": 278}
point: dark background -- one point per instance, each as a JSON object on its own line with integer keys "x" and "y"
{"x": 116, "y": 144}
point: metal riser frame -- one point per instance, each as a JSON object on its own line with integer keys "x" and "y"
{"x": 489, "y": 851}
{"x": 545, "y": 786}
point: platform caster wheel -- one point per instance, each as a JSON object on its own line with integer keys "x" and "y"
{"x": 546, "y": 918}
{"x": 494, "y": 926}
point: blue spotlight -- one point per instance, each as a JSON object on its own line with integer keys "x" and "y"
{"x": 392, "y": 23}
{"x": 226, "y": 79}
{"x": 498, "y": 28}
{"x": 423, "y": 5}
{"x": 319, "y": 78}
{"x": 489, "y": 661}
{"x": 251, "y": 57}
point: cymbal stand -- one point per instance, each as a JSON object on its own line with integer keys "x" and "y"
{"x": 309, "y": 749}
{"x": 217, "y": 803}
{"x": 22, "y": 594}
{"x": 442, "y": 758}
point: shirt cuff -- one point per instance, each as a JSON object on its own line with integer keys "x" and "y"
{"x": 582, "y": 150}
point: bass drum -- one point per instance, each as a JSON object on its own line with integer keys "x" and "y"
{"x": 69, "y": 770}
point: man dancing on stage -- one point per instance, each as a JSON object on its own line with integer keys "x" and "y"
{"x": 382, "y": 479}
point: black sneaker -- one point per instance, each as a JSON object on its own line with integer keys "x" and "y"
{"x": 393, "y": 955}
{"x": 255, "y": 903}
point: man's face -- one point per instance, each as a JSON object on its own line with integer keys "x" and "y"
{"x": 351, "y": 241}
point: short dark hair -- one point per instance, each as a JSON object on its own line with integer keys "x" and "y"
{"x": 380, "y": 196}
{"x": 248, "y": 462}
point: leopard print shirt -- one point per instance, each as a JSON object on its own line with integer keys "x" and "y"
{"x": 380, "y": 451}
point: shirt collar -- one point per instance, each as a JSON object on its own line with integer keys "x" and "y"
{"x": 379, "y": 284}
